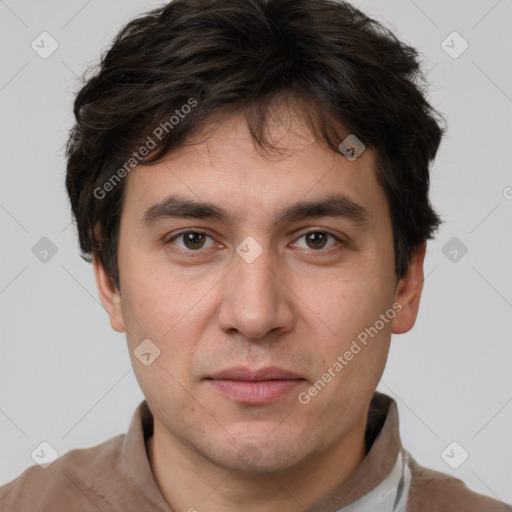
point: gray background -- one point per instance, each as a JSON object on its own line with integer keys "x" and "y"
{"x": 65, "y": 376}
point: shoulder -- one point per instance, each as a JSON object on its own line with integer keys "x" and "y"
{"x": 69, "y": 483}
{"x": 432, "y": 491}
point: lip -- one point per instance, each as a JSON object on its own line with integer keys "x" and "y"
{"x": 246, "y": 374}
{"x": 255, "y": 386}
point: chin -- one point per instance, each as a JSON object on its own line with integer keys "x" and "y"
{"x": 250, "y": 460}
{"x": 256, "y": 454}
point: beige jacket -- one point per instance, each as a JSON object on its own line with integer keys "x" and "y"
{"x": 116, "y": 476}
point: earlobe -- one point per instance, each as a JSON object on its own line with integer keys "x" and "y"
{"x": 408, "y": 292}
{"x": 109, "y": 295}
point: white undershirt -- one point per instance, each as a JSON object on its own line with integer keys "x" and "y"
{"x": 390, "y": 495}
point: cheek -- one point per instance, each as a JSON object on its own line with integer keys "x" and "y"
{"x": 356, "y": 330}
{"x": 158, "y": 301}
{"x": 353, "y": 303}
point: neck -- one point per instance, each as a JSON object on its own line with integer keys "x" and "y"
{"x": 191, "y": 483}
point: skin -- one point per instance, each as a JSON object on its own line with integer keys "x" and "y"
{"x": 297, "y": 306}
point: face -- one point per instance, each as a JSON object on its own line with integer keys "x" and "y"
{"x": 258, "y": 303}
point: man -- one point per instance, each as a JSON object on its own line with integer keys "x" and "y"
{"x": 251, "y": 180}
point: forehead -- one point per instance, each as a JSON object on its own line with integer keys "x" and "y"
{"x": 227, "y": 168}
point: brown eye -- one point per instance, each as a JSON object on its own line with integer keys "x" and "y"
{"x": 191, "y": 240}
{"x": 317, "y": 240}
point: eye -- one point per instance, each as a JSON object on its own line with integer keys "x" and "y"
{"x": 194, "y": 241}
{"x": 191, "y": 240}
{"x": 318, "y": 240}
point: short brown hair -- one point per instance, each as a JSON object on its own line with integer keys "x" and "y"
{"x": 338, "y": 66}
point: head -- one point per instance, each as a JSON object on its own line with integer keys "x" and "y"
{"x": 226, "y": 226}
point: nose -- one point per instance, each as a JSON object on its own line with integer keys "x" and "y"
{"x": 256, "y": 298}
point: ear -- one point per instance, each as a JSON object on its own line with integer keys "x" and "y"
{"x": 408, "y": 292}
{"x": 109, "y": 295}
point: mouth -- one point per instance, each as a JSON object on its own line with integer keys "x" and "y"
{"x": 262, "y": 386}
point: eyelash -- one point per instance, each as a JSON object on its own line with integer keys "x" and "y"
{"x": 339, "y": 241}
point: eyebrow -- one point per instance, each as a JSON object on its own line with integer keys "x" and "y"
{"x": 338, "y": 206}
